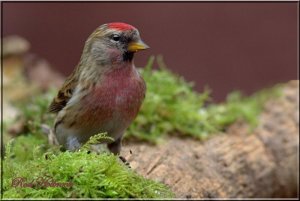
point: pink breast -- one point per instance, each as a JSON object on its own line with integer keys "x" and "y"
{"x": 117, "y": 98}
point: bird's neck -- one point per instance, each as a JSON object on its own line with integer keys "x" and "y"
{"x": 89, "y": 69}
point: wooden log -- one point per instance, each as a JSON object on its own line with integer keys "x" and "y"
{"x": 262, "y": 164}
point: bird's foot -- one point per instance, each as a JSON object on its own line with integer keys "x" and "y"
{"x": 124, "y": 161}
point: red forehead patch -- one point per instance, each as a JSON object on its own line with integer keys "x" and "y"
{"x": 120, "y": 26}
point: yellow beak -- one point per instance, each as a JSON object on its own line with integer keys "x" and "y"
{"x": 136, "y": 46}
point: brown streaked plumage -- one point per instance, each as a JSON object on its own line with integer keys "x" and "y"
{"x": 64, "y": 94}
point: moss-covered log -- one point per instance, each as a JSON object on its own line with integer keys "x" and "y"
{"x": 233, "y": 164}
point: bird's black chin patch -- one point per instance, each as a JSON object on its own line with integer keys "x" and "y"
{"x": 128, "y": 56}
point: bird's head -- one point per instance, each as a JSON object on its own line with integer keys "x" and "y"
{"x": 114, "y": 43}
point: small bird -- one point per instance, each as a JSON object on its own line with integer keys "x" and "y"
{"x": 105, "y": 91}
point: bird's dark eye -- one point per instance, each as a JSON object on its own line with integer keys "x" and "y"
{"x": 116, "y": 37}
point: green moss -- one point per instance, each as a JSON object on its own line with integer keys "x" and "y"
{"x": 238, "y": 106}
{"x": 83, "y": 174}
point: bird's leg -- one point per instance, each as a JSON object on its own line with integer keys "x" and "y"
{"x": 115, "y": 148}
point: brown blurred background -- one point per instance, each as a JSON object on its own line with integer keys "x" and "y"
{"x": 227, "y": 46}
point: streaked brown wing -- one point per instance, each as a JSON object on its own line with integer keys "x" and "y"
{"x": 64, "y": 94}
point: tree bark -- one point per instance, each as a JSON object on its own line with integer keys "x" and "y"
{"x": 233, "y": 164}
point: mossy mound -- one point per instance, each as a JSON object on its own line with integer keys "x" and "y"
{"x": 33, "y": 170}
